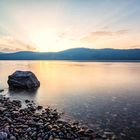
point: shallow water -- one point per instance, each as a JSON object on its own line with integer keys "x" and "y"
{"x": 103, "y": 95}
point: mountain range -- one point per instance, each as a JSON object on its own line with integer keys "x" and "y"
{"x": 76, "y": 54}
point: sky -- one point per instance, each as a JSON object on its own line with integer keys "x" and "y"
{"x": 55, "y": 25}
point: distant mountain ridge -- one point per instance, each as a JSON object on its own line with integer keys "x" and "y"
{"x": 75, "y": 54}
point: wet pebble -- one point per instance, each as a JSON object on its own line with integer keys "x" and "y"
{"x": 30, "y": 124}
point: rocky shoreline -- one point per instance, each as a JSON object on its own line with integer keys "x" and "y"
{"x": 34, "y": 122}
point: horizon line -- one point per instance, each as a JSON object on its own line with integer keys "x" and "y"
{"x": 73, "y": 49}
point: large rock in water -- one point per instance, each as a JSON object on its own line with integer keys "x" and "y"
{"x": 23, "y": 80}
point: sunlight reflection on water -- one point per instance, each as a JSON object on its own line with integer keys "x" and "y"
{"x": 87, "y": 91}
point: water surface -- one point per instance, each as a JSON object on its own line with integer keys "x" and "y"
{"x": 103, "y": 95}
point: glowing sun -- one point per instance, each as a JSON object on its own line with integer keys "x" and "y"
{"x": 45, "y": 40}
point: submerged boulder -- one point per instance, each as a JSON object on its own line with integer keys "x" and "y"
{"x": 23, "y": 80}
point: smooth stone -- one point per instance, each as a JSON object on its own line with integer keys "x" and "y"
{"x": 23, "y": 80}
{"x": 12, "y": 138}
{"x": 89, "y": 131}
{"x": 1, "y": 90}
{"x": 3, "y": 135}
{"x": 27, "y": 101}
{"x": 30, "y": 124}
{"x": 81, "y": 131}
{"x": 108, "y": 133}
{"x": 39, "y": 107}
{"x": 2, "y": 109}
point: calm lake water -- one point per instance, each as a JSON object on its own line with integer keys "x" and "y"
{"x": 102, "y": 95}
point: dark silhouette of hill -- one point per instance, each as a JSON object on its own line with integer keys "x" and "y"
{"x": 76, "y": 54}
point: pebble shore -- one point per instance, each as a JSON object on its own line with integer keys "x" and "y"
{"x": 34, "y": 122}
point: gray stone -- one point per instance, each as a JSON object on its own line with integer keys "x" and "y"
{"x": 12, "y": 138}
{"x": 1, "y": 90}
{"x": 23, "y": 80}
{"x": 2, "y": 109}
{"x": 3, "y": 135}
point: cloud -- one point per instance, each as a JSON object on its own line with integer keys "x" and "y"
{"x": 10, "y": 49}
{"x": 122, "y": 32}
{"x": 93, "y": 36}
{"x": 135, "y": 46}
{"x": 9, "y": 44}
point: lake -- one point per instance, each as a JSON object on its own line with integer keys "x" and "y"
{"x": 103, "y": 95}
